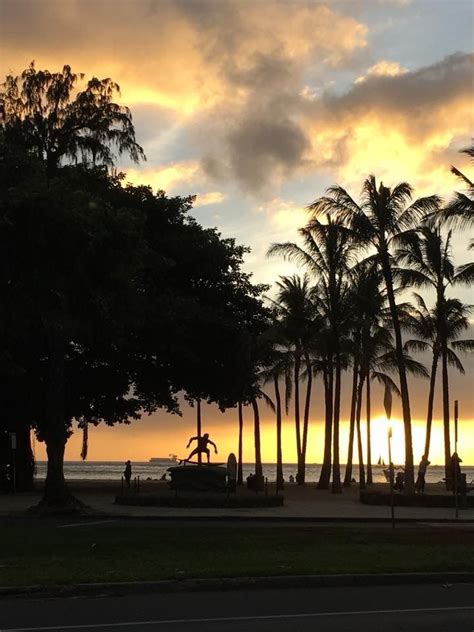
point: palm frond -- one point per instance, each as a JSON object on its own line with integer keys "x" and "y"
{"x": 417, "y": 346}
{"x": 464, "y": 274}
{"x": 465, "y": 346}
{"x": 454, "y": 361}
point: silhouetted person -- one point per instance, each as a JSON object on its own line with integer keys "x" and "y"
{"x": 399, "y": 481}
{"x": 251, "y": 480}
{"x": 202, "y": 443}
{"x": 420, "y": 481}
{"x": 456, "y": 470}
{"x": 127, "y": 474}
{"x": 292, "y": 478}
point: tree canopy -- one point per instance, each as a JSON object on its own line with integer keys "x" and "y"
{"x": 45, "y": 113}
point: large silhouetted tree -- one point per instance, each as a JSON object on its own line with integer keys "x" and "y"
{"x": 46, "y": 113}
{"x": 122, "y": 301}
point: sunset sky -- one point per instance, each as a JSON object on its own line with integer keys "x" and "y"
{"x": 256, "y": 107}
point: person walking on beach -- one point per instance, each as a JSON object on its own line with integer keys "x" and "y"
{"x": 456, "y": 471}
{"x": 127, "y": 474}
{"x": 202, "y": 443}
{"x": 420, "y": 481}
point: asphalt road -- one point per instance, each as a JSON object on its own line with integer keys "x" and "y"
{"x": 371, "y": 609}
{"x": 219, "y": 522}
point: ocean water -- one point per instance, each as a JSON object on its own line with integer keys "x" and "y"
{"x": 113, "y": 470}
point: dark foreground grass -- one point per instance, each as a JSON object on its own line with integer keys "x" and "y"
{"x": 47, "y": 555}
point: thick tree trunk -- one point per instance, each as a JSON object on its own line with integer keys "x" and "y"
{"x": 447, "y": 442}
{"x": 307, "y": 404}
{"x": 297, "y": 412}
{"x": 240, "y": 476}
{"x": 409, "y": 467}
{"x": 279, "y": 468}
{"x": 429, "y": 414}
{"x": 55, "y": 434}
{"x": 56, "y": 492}
{"x": 369, "y": 438}
{"x": 336, "y": 469}
{"x": 258, "y": 452}
{"x": 325, "y": 475}
{"x": 360, "y": 452}
{"x": 348, "y": 474}
{"x": 24, "y": 459}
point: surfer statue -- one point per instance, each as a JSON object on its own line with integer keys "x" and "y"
{"x": 202, "y": 443}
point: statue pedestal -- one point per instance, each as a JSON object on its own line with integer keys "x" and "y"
{"x": 203, "y": 477}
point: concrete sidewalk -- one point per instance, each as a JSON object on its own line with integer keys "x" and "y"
{"x": 309, "y": 505}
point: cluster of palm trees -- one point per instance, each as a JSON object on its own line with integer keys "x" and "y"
{"x": 348, "y": 313}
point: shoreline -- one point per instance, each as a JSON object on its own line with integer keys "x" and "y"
{"x": 302, "y": 493}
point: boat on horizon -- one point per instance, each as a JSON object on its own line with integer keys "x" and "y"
{"x": 171, "y": 458}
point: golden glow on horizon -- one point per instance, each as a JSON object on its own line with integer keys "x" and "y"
{"x": 139, "y": 443}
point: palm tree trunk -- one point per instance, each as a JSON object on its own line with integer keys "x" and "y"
{"x": 369, "y": 439}
{"x": 307, "y": 404}
{"x": 405, "y": 396}
{"x": 336, "y": 469}
{"x": 447, "y": 442}
{"x": 350, "y": 449}
{"x": 429, "y": 414}
{"x": 359, "y": 436}
{"x": 199, "y": 425}
{"x": 297, "y": 412}
{"x": 279, "y": 469}
{"x": 258, "y": 453}
{"x": 240, "y": 476}
{"x": 24, "y": 458}
{"x": 325, "y": 474}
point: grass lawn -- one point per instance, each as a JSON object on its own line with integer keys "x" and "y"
{"x": 38, "y": 554}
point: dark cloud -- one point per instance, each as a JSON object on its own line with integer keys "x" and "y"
{"x": 262, "y": 147}
{"x": 416, "y": 97}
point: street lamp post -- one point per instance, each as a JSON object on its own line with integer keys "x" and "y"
{"x": 391, "y": 473}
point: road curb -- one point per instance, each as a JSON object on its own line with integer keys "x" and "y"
{"x": 237, "y": 518}
{"x": 235, "y": 583}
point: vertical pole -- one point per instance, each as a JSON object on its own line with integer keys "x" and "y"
{"x": 456, "y": 464}
{"x": 13, "y": 447}
{"x": 198, "y": 407}
{"x": 391, "y": 474}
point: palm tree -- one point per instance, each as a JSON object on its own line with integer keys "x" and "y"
{"x": 257, "y": 444}
{"x": 278, "y": 367}
{"x": 460, "y": 211}
{"x": 368, "y": 311}
{"x": 240, "y": 476}
{"x": 355, "y": 379}
{"x": 430, "y": 264}
{"x": 377, "y": 222}
{"x": 295, "y": 312}
{"x": 259, "y": 393}
{"x": 423, "y": 322}
{"x": 327, "y": 254}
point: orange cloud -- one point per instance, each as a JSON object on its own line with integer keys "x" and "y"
{"x": 399, "y": 126}
{"x": 383, "y": 69}
{"x": 167, "y": 177}
{"x": 206, "y": 199}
